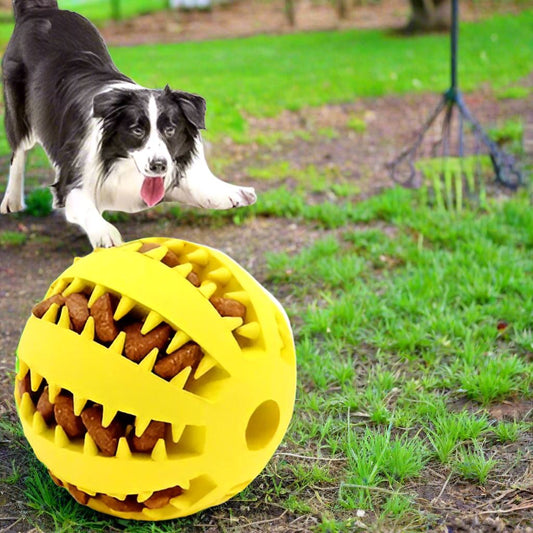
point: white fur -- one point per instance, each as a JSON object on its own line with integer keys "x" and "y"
{"x": 201, "y": 188}
{"x": 154, "y": 147}
{"x": 14, "y": 196}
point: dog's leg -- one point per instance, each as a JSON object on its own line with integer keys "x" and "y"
{"x": 200, "y": 188}
{"x": 80, "y": 209}
{"x": 14, "y": 197}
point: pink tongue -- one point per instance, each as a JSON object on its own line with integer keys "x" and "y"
{"x": 153, "y": 190}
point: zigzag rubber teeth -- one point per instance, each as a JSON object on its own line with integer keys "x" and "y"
{"x": 23, "y": 370}
{"x": 35, "y": 380}
{"x": 26, "y": 407}
{"x": 199, "y": 256}
{"x": 157, "y": 253}
{"x": 149, "y": 360}
{"x": 208, "y": 288}
{"x": 251, "y": 331}
{"x": 180, "y": 379}
{"x": 183, "y": 270}
{"x": 58, "y": 287}
{"x": 64, "y": 318}
{"x": 79, "y": 404}
{"x": 175, "y": 245}
{"x": 87, "y": 491}
{"x": 232, "y": 322}
{"x": 123, "y": 449}
{"x": 108, "y": 413}
{"x": 141, "y": 423}
{"x": 53, "y": 392}
{"x": 89, "y": 446}
{"x": 153, "y": 319}
{"x": 117, "y": 345}
{"x": 177, "y": 432}
{"x": 38, "y": 423}
{"x": 76, "y": 285}
{"x": 132, "y": 247}
{"x": 241, "y": 296}
{"x": 159, "y": 453}
{"x": 98, "y": 291}
{"x": 206, "y": 364}
{"x": 51, "y": 314}
{"x": 221, "y": 275}
{"x": 88, "y": 330}
{"x": 178, "y": 341}
{"x": 60, "y": 437}
{"x": 143, "y": 496}
{"x": 176, "y": 502}
{"x": 125, "y": 305}
{"x": 151, "y": 514}
{"x": 118, "y": 495}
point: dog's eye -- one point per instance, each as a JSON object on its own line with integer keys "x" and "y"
{"x": 137, "y": 131}
{"x": 169, "y": 131}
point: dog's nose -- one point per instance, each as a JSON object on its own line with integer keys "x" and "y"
{"x": 157, "y": 165}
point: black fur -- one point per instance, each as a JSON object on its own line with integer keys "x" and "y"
{"x": 55, "y": 64}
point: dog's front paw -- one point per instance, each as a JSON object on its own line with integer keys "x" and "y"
{"x": 11, "y": 205}
{"x": 104, "y": 235}
{"x": 243, "y": 196}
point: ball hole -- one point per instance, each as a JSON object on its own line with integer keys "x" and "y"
{"x": 262, "y": 425}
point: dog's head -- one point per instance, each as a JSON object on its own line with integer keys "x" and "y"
{"x": 156, "y": 128}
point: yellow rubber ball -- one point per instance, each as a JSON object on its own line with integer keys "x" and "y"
{"x": 156, "y": 379}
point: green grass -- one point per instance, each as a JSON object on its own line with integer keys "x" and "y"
{"x": 12, "y": 238}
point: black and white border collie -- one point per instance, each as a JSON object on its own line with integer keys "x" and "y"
{"x": 114, "y": 144}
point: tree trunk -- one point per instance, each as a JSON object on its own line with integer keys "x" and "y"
{"x": 342, "y": 9}
{"x": 289, "y": 12}
{"x": 429, "y": 15}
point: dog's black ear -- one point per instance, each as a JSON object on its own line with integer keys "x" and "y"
{"x": 107, "y": 102}
{"x": 192, "y": 105}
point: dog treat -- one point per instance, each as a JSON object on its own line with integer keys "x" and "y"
{"x": 138, "y": 345}
{"x": 161, "y": 498}
{"x": 78, "y": 310}
{"x": 24, "y": 385}
{"x": 172, "y": 364}
{"x": 105, "y": 438}
{"x": 194, "y": 278}
{"x": 65, "y": 417}
{"x": 170, "y": 259}
{"x": 102, "y": 311}
{"x": 40, "y": 309}
{"x": 228, "y": 307}
{"x": 129, "y": 505}
{"x": 45, "y": 407}
{"x": 146, "y": 442}
{"x": 55, "y": 479}
{"x": 77, "y": 494}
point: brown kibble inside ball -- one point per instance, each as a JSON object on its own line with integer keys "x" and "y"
{"x": 78, "y": 310}
{"x": 146, "y": 442}
{"x": 193, "y": 278}
{"x": 138, "y": 345}
{"x": 24, "y": 385}
{"x": 45, "y": 407}
{"x": 55, "y": 479}
{"x": 105, "y": 438}
{"x": 161, "y": 498}
{"x": 77, "y": 494}
{"x": 170, "y": 259}
{"x": 228, "y": 307}
{"x": 129, "y": 505}
{"x": 102, "y": 311}
{"x": 40, "y": 309}
{"x": 65, "y": 417}
{"x": 172, "y": 364}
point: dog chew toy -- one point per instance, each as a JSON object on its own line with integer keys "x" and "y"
{"x": 156, "y": 379}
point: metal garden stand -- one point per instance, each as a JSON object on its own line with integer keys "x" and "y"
{"x": 503, "y": 164}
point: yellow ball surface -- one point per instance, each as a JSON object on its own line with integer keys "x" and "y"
{"x": 223, "y": 417}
